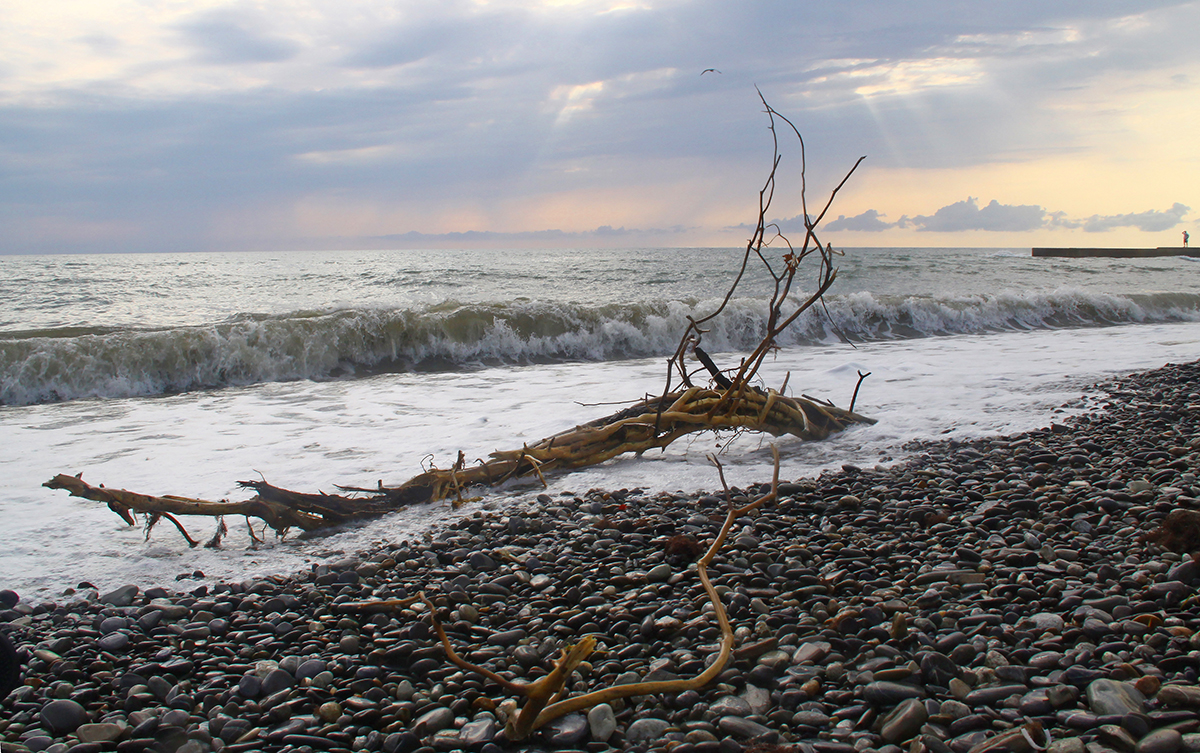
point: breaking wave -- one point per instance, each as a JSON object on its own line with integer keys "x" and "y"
{"x": 72, "y": 363}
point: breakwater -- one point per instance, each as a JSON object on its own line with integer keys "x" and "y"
{"x": 1117, "y": 253}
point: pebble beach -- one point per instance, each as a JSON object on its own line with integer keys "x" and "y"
{"x": 1016, "y": 593}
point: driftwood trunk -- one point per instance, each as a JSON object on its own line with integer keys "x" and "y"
{"x": 650, "y": 424}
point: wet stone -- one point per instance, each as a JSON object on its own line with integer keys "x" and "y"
{"x": 811, "y": 719}
{"x": 1046, "y": 660}
{"x": 729, "y": 705}
{"x": 275, "y": 681}
{"x": 481, "y": 561}
{"x": 1107, "y": 697}
{"x": 120, "y": 597}
{"x": 813, "y": 651}
{"x": 506, "y": 637}
{"x": 743, "y": 728}
{"x": 249, "y": 686}
{"x": 476, "y": 733}
{"x": 99, "y": 732}
{"x": 992, "y": 695}
{"x": 310, "y": 669}
{"x": 602, "y": 722}
{"x": 329, "y": 711}
{"x": 566, "y": 730}
{"x": 38, "y": 743}
{"x": 1036, "y": 703}
{"x": 401, "y": 742}
{"x": 63, "y": 715}
{"x": 289, "y": 727}
{"x": 432, "y": 721}
{"x": 758, "y": 699}
{"x": 938, "y": 669}
{"x": 1062, "y": 695}
{"x": 890, "y": 693}
{"x": 114, "y": 642}
{"x": 659, "y": 573}
{"x": 113, "y": 624}
{"x": 1066, "y": 745}
{"x": 1043, "y": 621}
{"x": 904, "y": 721}
{"x": 1081, "y": 676}
{"x": 1161, "y": 741}
{"x": 1117, "y": 737}
{"x": 646, "y": 730}
{"x": 1179, "y": 695}
{"x": 968, "y": 741}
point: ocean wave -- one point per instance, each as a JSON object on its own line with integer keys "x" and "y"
{"x": 67, "y": 364}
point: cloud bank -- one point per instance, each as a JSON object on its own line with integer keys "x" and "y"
{"x": 967, "y": 215}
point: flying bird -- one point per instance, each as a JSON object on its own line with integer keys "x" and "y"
{"x": 709, "y": 70}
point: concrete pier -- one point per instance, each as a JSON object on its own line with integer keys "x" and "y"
{"x": 1117, "y": 253}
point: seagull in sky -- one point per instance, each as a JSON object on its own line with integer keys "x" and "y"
{"x": 709, "y": 70}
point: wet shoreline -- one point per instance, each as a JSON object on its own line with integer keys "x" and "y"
{"x": 999, "y": 592}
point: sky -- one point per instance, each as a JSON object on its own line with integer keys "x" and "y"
{"x": 183, "y": 125}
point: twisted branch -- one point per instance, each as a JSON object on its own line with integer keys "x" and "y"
{"x": 542, "y": 696}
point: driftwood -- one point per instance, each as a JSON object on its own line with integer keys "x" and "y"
{"x": 279, "y": 508}
{"x": 727, "y": 400}
{"x": 651, "y": 424}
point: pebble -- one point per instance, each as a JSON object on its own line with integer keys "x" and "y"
{"x": 63, "y": 715}
{"x": 890, "y": 693}
{"x": 432, "y": 721}
{"x": 729, "y": 705}
{"x": 1066, "y": 745}
{"x": 992, "y": 695}
{"x": 938, "y": 669}
{"x": 602, "y": 722}
{"x": 480, "y": 732}
{"x": 1107, "y": 697}
{"x": 936, "y": 605}
{"x": 1161, "y": 741}
{"x": 904, "y": 721}
{"x": 569, "y": 730}
{"x": 100, "y": 732}
{"x": 1179, "y": 695}
{"x": 646, "y": 730}
{"x": 742, "y": 728}
{"x": 121, "y": 597}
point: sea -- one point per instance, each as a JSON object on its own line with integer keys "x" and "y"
{"x": 185, "y": 373}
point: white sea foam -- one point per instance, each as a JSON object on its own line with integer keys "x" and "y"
{"x": 312, "y": 436}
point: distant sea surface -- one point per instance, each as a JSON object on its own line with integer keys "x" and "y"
{"x": 182, "y": 374}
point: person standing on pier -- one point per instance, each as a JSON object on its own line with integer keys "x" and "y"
{"x": 1185, "y": 238}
